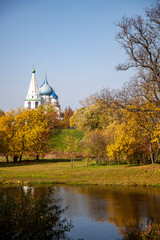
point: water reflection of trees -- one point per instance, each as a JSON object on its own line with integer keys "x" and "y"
{"x": 140, "y": 231}
{"x": 24, "y": 215}
{"x": 135, "y": 211}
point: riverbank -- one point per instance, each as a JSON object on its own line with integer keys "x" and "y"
{"x": 59, "y": 171}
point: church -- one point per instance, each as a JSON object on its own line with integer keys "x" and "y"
{"x": 44, "y": 95}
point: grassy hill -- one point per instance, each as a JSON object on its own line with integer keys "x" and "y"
{"x": 58, "y": 136}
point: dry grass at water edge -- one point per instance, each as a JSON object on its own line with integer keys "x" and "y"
{"x": 60, "y": 171}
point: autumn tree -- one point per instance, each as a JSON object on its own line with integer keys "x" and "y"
{"x": 94, "y": 143}
{"x": 24, "y": 131}
{"x": 88, "y": 101}
{"x": 4, "y": 137}
{"x": 54, "y": 122}
{"x": 1, "y": 113}
{"x": 90, "y": 117}
{"x": 68, "y": 112}
{"x": 37, "y": 133}
{"x": 17, "y": 143}
{"x": 137, "y": 131}
{"x": 72, "y": 145}
{"x": 87, "y": 117}
{"x": 134, "y": 137}
{"x": 8, "y": 127}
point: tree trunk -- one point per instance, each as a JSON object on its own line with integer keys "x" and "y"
{"x": 97, "y": 161}
{"x": 15, "y": 158}
{"x": 87, "y": 161}
{"x": 20, "y": 158}
{"x": 157, "y": 152}
{"x": 71, "y": 160}
{"x": 151, "y": 152}
{"x": 155, "y": 160}
{"x": 37, "y": 157}
{"x": 6, "y": 156}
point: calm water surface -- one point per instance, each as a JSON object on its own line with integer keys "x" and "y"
{"x": 110, "y": 213}
{"x": 113, "y": 213}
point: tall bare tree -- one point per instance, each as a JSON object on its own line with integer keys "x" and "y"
{"x": 140, "y": 38}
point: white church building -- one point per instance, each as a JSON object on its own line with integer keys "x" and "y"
{"x": 44, "y": 95}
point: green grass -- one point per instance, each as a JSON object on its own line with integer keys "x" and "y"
{"x": 58, "y": 136}
{"x": 60, "y": 171}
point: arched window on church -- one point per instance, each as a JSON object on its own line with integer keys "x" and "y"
{"x": 29, "y": 105}
{"x": 36, "y": 104}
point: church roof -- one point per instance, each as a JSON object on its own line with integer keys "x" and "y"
{"x": 33, "y": 91}
{"x": 54, "y": 95}
{"x": 46, "y": 89}
{"x": 33, "y": 70}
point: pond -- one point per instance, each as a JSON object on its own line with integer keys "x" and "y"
{"x": 106, "y": 212}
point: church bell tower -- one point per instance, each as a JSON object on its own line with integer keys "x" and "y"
{"x": 33, "y": 98}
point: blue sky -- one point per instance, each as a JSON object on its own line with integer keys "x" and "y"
{"x": 72, "y": 40}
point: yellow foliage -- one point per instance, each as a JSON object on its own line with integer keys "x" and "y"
{"x": 24, "y": 131}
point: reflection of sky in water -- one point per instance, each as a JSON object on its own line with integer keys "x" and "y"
{"x": 87, "y": 229}
{"x": 101, "y": 213}
{"x": 88, "y": 215}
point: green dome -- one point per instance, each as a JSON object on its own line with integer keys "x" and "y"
{"x": 33, "y": 71}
